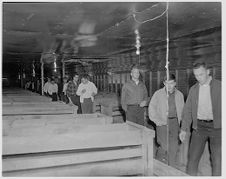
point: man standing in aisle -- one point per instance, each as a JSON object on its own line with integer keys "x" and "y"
{"x": 86, "y": 90}
{"x": 203, "y": 110}
{"x": 53, "y": 90}
{"x": 163, "y": 118}
{"x": 71, "y": 92}
{"x": 134, "y": 97}
{"x": 46, "y": 87}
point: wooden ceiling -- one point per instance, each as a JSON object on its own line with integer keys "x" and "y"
{"x": 96, "y": 29}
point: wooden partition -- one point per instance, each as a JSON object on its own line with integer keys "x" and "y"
{"x": 78, "y": 150}
{"x": 21, "y": 102}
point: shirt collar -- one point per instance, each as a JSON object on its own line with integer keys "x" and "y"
{"x": 207, "y": 82}
{"x": 135, "y": 82}
{"x": 169, "y": 92}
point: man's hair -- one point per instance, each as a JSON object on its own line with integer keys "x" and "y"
{"x": 75, "y": 74}
{"x": 85, "y": 76}
{"x": 135, "y": 66}
{"x": 199, "y": 63}
{"x": 171, "y": 77}
{"x": 65, "y": 78}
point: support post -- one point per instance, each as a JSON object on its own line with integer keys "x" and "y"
{"x": 42, "y": 74}
{"x": 63, "y": 68}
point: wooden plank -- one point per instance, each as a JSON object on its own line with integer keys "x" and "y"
{"x": 37, "y": 104}
{"x": 59, "y": 118}
{"x": 68, "y": 158}
{"x": 37, "y": 110}
{"x": 161, "y": 169}
{"x": 144, "y": 152}
{"x": 147, "y": 146}
{"x": 69, "y": 141}
{"x": 128, "y": 167}
{"x": 27, "y": 121}
{"x": 56, "y": 129}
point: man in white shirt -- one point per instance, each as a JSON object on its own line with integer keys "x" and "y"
{"x": 86, "y": 90}
{"x": 53, "y": 90}
{"x": 203, "y": 111}
{"x": 46, "y": 87}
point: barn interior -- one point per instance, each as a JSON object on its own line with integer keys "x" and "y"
{"x": 103, "y": 40}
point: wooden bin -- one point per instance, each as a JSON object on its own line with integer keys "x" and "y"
{"x": 70, "y": 149}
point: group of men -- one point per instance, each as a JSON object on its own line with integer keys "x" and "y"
{"x": 173, "y": 117}
{"x": 79, "y": 94}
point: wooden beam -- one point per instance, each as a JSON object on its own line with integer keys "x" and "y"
{"x": 69, "y": 141}
{"x": 130, "y": 167}
{"x": 69, "y": 158}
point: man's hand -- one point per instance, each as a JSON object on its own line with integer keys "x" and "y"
{"x": 182, "y": 135}
{"x": 143, "y": 103}
{"x": 70, "y": 102}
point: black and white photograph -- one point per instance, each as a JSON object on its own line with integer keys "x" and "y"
{"x": 112, "y": 88}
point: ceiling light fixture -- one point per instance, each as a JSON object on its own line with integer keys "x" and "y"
{"x": 138, "y": 44}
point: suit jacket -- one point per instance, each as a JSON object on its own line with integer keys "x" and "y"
{"x": 191, "y": 107}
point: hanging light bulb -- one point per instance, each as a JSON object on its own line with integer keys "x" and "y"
{"x": 138, "y": 44}
{"x": 55, "y": 64}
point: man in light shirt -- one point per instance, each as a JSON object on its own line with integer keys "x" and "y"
{"x": 71, "y": 90}
{"x": 203, "y": 110}
{"x": 46, "y": 87}
{"x": 64, "y": 93}
{"x": 167, "y": 118}
{"x": 86, "y": 90}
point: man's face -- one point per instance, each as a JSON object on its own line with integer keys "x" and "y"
{"x": 135, "y": 73}
{"x": 170, "y": 85}
{"x": 201, "y": 74}
{"x": 75, "y": 78}
{"x": 84, "y": 80}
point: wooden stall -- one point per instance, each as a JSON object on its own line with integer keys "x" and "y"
{"x": 72, "y": 148}
{"x": 77, "y": 150}
{"x": 22, "y": 102}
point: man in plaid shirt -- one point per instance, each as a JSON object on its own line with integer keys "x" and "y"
{"x": 71, "y": 92}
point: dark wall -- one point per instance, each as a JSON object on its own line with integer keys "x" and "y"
{"x": 112, "y": 74}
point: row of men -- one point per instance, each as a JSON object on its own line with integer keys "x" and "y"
{"x": 79, "y": 94}
{"x": 174, "y": 118}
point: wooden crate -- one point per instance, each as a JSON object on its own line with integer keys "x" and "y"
{"x": 20, "y": 122}
{"x": 78, "y": 150}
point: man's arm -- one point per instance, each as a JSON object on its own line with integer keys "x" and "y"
{"x": 80, "y": 90}
{"x": 123, "y": 98}
{"x": 186, "y": 117}
{"x": 69, "y": 89}
{"x": 145, "y": 97}
{"x": 152, "y": 110}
